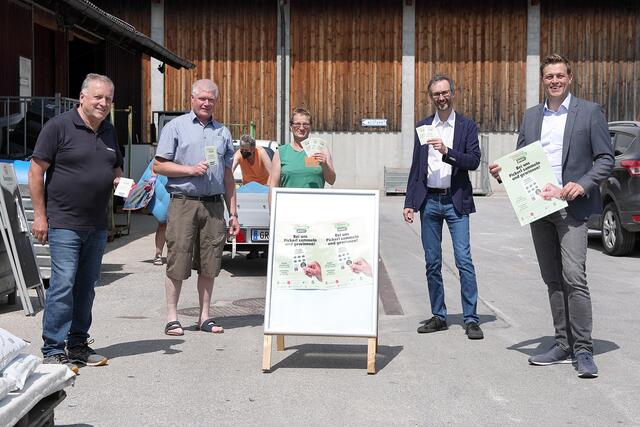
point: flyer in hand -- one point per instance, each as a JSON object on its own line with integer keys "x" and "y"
{"x": 525, "y": 173}
{"x": 124, "y": 187}
{"x": 312, "y": 146}
{"x": 427, "y": 133}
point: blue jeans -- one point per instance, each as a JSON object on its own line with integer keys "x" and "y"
{"x": 76, "y": 257}
{"x": 439, "y": 208}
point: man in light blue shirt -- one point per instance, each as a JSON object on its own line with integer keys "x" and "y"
{"x": 195, "y": 153}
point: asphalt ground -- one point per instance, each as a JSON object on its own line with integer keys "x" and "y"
{"x": 203, "y": 379}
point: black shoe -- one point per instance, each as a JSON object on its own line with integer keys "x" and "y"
{"x": 586, "y": 366}
{"x": 473, "y": 331}
{"x": 433, "y": 325}
{"x": 551, "y": 357}
{"x": 60, "y": 359}
{"x": 85, "y": 355}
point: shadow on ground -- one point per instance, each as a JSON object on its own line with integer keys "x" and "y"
{"x": 456, "y": 319}
{"x": 133, "y": 348}
{"x": 5, "y": 307}
{"x": 240, "y": 266}
{"x": 542, "y": 344}
{"x": 228, "y": 322}
{"x": 336, "y": 356}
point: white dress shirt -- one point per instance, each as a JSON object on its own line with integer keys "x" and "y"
{"x": 552, "y": 135}
{"x": 439, "y": 172}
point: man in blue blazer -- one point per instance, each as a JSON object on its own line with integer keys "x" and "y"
{"x": 445, "y": 149}
{"x": 574, "y": 135}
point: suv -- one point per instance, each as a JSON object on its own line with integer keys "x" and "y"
{"x": 620, "y": 220}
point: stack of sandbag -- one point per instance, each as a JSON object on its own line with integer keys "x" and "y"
{"x": 15, "y": 367}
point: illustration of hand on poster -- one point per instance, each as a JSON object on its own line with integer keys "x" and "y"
{"x": 360, "y": 265}
{"x": 325, "y": 255}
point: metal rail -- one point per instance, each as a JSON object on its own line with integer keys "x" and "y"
{"x": 27, "y": 114}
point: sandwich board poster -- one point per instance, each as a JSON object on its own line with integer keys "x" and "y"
{"x": 17, "y": 234}
{"x": 323, "y": 263}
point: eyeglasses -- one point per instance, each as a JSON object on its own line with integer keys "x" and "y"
{"x": 301, "y": 125}
{"x": 444, "y": 94}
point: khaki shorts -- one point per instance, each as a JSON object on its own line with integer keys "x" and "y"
{"x": 196, "y": 234}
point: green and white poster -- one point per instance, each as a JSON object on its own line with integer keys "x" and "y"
{"x": 322, "y": 271}
{"x": 326, "y": 254}
{"x": 525, "y": 174}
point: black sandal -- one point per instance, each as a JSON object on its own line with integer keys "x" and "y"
{"x": 209, "y": 324}
{"x": 171, "y": 327}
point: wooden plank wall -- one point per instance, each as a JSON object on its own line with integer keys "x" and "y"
{"x": 346, "y": 62}
{"x": 603, "y": 46}
{"x": 137, "y": 14}
{"x": 482, "y": 47}
{"x": 233, "y": 43}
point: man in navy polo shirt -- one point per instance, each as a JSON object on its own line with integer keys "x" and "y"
{"x": 78, "y": 151}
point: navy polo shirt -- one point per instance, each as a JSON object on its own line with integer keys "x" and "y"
{"x": 79, "y": 180}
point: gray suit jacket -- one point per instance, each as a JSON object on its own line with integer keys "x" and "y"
{"x": 587, "y": 157}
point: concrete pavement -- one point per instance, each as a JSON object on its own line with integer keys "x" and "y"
{"x": 433, "y": 379}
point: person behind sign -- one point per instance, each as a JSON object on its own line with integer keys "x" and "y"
{"x": 253, "y": 160}
{"x": 195, "y": 153}
{"x": 575, "y": 138}
{"x": 292, "y": 168}
{"x": 255, "y": 165}
{"x": 79, "y": 152}
{"x": 160, "y": 239}
{"x": 439, "y": 188}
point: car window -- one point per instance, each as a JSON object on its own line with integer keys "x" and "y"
{"x": 622, "y": 142}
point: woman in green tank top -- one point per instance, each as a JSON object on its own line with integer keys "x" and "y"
{"x": 290, "y": 165}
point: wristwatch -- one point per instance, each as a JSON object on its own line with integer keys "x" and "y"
{"x": 233, "y": 214}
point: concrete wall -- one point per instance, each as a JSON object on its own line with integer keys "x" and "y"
{"x": 359, "y": 158}
{"x": 500, "y": 144}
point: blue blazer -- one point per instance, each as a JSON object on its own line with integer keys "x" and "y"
{"x": 463, "y": 157}
{"x": 587, "y": 156}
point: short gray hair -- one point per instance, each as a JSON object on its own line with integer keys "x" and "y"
{"x": 439, "y": 78}
{"x": 93, "y": 77}
{"x": 247, "y": 140}
{"x": 205, "y": 85}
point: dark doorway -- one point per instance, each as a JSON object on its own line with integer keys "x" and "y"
{"x": 84, "y": 58}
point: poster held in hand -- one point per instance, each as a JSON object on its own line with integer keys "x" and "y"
{"x": 525, "y": 173}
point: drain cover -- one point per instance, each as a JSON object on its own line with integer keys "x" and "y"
{"x": 251, "y": 303}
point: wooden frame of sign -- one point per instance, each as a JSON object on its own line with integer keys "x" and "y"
{"x": 17, "y": 239}
{"x": 322, "y": 274}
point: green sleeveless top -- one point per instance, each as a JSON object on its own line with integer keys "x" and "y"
{"x": 294, "y": 173}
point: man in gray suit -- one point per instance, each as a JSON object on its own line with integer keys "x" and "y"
{"x": 575, "y": 138}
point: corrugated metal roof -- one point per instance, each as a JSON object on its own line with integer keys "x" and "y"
{"x": 86, "y": 15}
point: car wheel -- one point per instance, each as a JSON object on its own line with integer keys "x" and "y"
{"x": 615, "y": 239}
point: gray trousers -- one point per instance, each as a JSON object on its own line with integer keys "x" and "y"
{"x": 560, "y": 242}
